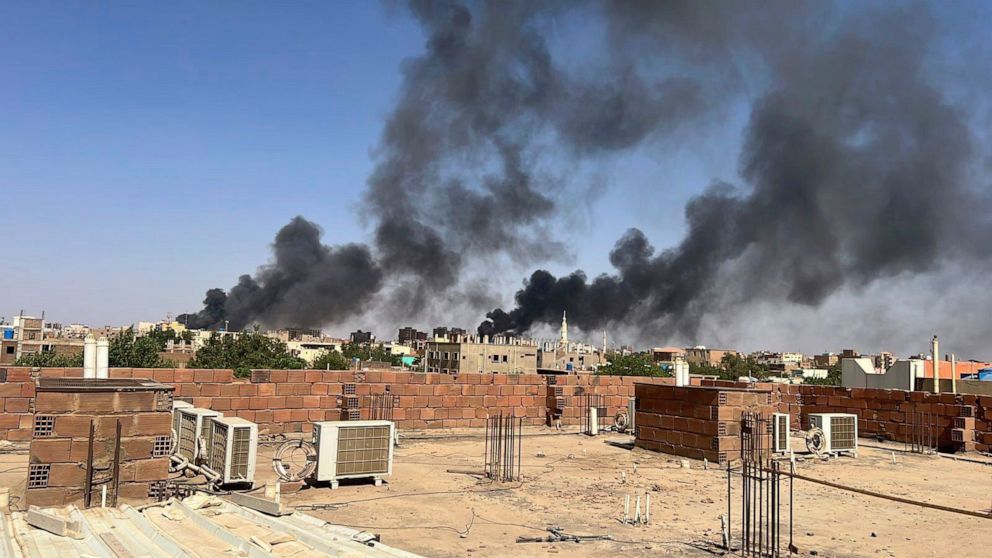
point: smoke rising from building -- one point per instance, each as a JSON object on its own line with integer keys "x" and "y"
{"x": 854, "y": 165}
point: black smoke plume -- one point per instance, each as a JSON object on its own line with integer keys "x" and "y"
{"x": 855, "y": 166}
{"x": 307, "y": 284}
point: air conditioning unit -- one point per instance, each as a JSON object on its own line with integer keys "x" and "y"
{"x": 233, "y": 449}
{"x": 176, "y": 405}
{"x": 353, "y": 449}
{"x": 191, "y": 425}
{"x": 780, "y": 433}
{"x": 840, "y": 431}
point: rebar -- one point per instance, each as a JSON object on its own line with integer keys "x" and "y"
{"x": 760, "y": 495}
{"x": 504, "y": 447}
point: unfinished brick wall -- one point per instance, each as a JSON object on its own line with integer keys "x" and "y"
{"x": 289, "y": 400}
{"x": 697, "y": 422}
{"x": 64, "y": 412}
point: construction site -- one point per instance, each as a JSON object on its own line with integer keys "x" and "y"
{"x": 161, "y": 462}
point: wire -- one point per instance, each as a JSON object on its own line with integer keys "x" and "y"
{"x": 336, "y": 505}
{"x": 461, "y": 533}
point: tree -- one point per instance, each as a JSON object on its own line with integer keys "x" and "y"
{"x": 51, "y": 359}
{"x": 130, "y": 351}
{"x": 245, "y": 351}
{"x": 367, "y": 352}
{"x": 332, "y": 360}
{"x": 638, "y": 364}
{"x": 734, "y": 366}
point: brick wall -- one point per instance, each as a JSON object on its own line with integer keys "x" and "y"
{"x": 289, "y": 400}
{"x": 60, "y": 443}
{"x": 698, "y": 422}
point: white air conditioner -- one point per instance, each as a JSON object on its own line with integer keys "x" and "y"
{"x": 176, "y": 405}
{"x": 233, "y": 449}
{"x": 780, "y": 433}
{"x": 840, "y": 431}
{"x": 191, "y": 426}
{"x": 353, "y": 449}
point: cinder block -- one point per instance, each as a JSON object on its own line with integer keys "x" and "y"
{"x": 50, "y": 450}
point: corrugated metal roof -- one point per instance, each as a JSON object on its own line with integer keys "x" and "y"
{"x": 203, "y": 527}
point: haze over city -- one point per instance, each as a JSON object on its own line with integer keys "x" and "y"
{"x": 811, "y": 186}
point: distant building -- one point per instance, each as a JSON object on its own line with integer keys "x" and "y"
{"x": 362, "y": 337}
{"x": 700, "y": 355}
{"x": 470, "y": 354}
{"x": 779, "y": 362}
{"x": 825, "y": 360}
{"x": 568, "y": 357}
{"x": 312, "y": 350}
{"x": 411, "y": 337}
{"x": 297, "y": 334}
{"x": 448, "y": 333}
{"x": 667, "y": 354}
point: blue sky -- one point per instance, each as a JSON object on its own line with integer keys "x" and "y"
{"x": 149, "y": 151}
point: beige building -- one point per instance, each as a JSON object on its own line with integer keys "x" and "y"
{"x": 567, "y": 357}
{"x": 501, "y": 355}
{"x": 701, "y": 355}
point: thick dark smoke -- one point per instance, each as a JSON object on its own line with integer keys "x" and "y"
{"x": 306, "y": 284}
{"x": 856, "y": 167}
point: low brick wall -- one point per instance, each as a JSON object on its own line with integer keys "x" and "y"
{"x": 698, "y": 422}
{"x": 289, "y": 400}
{"x": 60, "y": 443}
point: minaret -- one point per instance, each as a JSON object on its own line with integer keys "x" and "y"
{"x": 564, "y": 330}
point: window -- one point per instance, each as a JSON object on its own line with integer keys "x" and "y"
{"x": 504, "y": 358}
{"x": 495, "y": 358}
{"x": 445, "y": 370}
{"x": 447, "y": 355}
{"x": 454, "y": 356}
{"x": 10, "y": 350}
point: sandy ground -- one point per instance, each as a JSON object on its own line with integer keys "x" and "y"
{"x": 578, "y": 484}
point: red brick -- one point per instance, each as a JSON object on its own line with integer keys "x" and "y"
{"x": 17, "y": 405}
{"x": 50, "y": 451}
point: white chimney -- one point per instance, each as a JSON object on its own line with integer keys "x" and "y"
{"x": 935, "y": 352}
{"x": 89, "y": 357}
{"x": 102, "y": 358}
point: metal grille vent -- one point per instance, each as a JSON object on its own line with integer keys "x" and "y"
{"x": 240, "y": 453}
{"x": 163, "y": 401}
{"x": 187, "y": 435}
{"x": 714, "y": 413}
{"x": 558, "y": 391}
{"x": 219, "y": 447}
{"x": 363, "y": 450}
{"x": 44, "y": 426}
{"x": 351, "y": 402}
{"x": 162, "y": 446}
{"x": 842, "y": 433}
{"x": 783, "y": 431}
{"x": 552, "y": 380}
{"x": 721, "y": 429}
{"x": 722, "y": 398}
{"x": 349, "y": 389}
{"x": 38, "y": 475}
{"x": 354, "y": 414}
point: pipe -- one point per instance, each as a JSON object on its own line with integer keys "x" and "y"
{"x": 183, "y": 464}
{"x": 935, "y": 358}
{"x": 954, "y": 374}
{"x": 102, "y": 358}
{"x": 89, "y": 357}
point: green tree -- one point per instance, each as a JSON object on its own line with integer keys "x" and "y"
{"x": 129, "y": 351}
{"x": 734, "y": 366}
{"x": 366, "y": 352}
{"x": 637, "y": 364}
{"x": 243, "y": 352}
{"x": 332, "y": 360}
{"x": 50, "y": 359}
